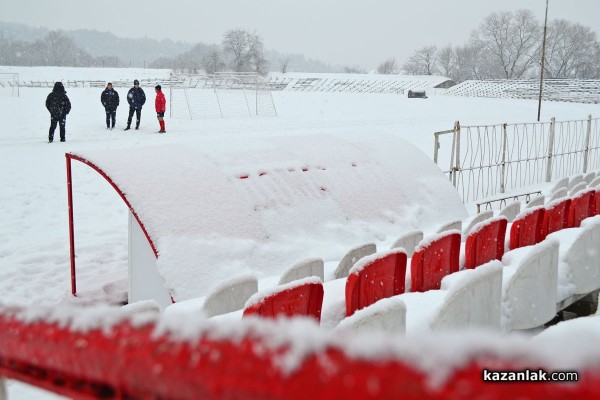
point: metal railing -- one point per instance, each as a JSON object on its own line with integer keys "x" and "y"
{"x": 490, "y": 159}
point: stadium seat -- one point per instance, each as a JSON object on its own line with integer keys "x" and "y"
{"x": 579, "y": 208}
{"x": 352, "y": 257}
{"x": 475, "y": 220}
{"x": 304, "y": 269}
{"x": 511, "y": 211}
{"x": 435, "y": 257}
{"x": 555, "y": 216}
{"x": 375, "y": 277}
{"x": 526, "y": 230}
{"x": 536, "y": 202}
{"x": 387, "y": 315}
{"x": 408, "y": 242}
{"x": 529, "y": 288}
{"x": 485, "y": 242}
{"x": 299, "y": 298}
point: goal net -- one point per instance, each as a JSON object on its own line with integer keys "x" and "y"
{"x": 221, "y": 96}
{"x": 9, "y": 84}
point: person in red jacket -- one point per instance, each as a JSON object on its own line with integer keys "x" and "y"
{"x": 160, "y": 104}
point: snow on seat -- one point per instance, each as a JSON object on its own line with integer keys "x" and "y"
{"x": 589, "y": 177}
{"x": 511, "y": 211}
{"x": 227, "y": 297}
{"x": 559, "y": 194}
{"x": 471, "y": 222}
{"x": 536, "y": 202}
{"x": 595, "y": 183}
{"x": 375, "y": 277}
{"x": 450, "y": 226}
{"x": 304, "y": 269}
{"x": 574, "y": 181}
{"x": 355, "y": 254}
{"x": 434, "y": 258}
{"x": 468, "y": 298}
{"x": 303, "y": 297}
{"x": 560, "y": 184}
{"x": 526, "y": 230}
{"x": 387, "y": 315}
{"x": 555, "y": 216}
{"x": 408, "y": 242}
{"x": 529, "y": 285}
{"x": 579, "y": 208}
{"x": 485, "y": 242}
{"x": 579, "y": 263}
{"x": 577, "y": 188}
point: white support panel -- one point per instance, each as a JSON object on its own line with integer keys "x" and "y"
{"x": 387, "y": 315}
{"x": 145, "y": 283}
{"x": 409, "y": 242}
{"x": 538, "y": 201}
{"x": 529, "y": 288}
{"x": 352, "y": 257}
{"x": 450, "y": 226}
{"x": 304, "y": 269}
{"x": 511, "y": 211}
{"x": 482, "y": 216}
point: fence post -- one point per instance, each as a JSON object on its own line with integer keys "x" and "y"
{"x": 436, "y": 147}
{"x": 503, "y": 170}
{"x": 550, "y": 150}
{"x": 456, "y": 153}
{"x": 587, "y": 143}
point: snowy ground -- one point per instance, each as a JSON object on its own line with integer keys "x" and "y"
{"x": 34, "y": 248}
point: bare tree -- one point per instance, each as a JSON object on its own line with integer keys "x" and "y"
{"x": 511, "y": 41}
{"x": 354, "y": 69}
{"x": 284, "y": 64}
{"x": 212, "y": 62}
{"x": 388, "y": 67}
{"x": 422, "y": 62}
{"x": 569, "y": 49}
{"x": 245, "y": 50}
{"x": 446, "y": 62}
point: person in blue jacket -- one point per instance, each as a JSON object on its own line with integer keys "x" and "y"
{"x": 58, "y": 106}
{"x": 136, "y": 99}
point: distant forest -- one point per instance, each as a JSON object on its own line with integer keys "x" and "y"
{"x": 21, "y": 45}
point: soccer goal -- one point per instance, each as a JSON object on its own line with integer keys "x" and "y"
{"x": 9, "y": 84}
{"x": 221, "y": 96}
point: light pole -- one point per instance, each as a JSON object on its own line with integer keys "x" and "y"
{"x": 543, "y": 64}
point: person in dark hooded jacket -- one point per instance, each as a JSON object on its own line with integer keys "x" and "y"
{"x": 136, "y": 99}
{"x": 59, "y": 106}
{"x": 110, "y": 101}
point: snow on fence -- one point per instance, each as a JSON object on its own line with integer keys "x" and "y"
{"x": 490, "y": 159}
{"x": 9, "y": 84}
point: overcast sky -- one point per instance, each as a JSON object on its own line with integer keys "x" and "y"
{"x": 340, "y": 32}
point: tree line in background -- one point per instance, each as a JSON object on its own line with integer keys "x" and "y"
{"x": 55, "y": 49}
{"x": 508, "y": 45}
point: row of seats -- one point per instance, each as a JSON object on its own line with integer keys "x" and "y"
{"x": 428, "y": 269}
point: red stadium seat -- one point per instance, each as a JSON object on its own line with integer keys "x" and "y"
{"x": 579, "y": 208}
{"x": 526, "y": 230}
{"x": 485, "y": 242}
{"x": 434, "y": 258}
{"x": 556, "y": 216}
{"x": 375, "y": 278}
{"x": 303, "y": 297}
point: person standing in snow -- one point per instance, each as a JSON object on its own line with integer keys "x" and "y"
{"x": 136, "y": 99}
{"x": 110, "y": 101}
{"x": 59, "y": 105}
{"x": 160, "y": 104}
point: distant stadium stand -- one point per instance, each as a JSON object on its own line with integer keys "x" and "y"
{"x": 572, "y": 90}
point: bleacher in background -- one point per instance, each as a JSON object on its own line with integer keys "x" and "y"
{"x": 572, "y": 90}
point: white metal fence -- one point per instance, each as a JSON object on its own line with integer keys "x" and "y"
{"x": 486, "y": 160}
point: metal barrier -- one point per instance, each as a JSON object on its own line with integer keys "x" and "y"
{"x": 490, "y": 159}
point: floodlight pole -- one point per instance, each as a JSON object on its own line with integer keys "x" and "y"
{"x": 543, "y": 64}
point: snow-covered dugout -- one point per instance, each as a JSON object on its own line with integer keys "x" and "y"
{"x": 216, "y": 209}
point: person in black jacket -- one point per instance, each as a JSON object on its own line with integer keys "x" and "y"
{"x": 59, "y": 106}
{"x": 110, "y": 101}
{"x": 136, "y": 99}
